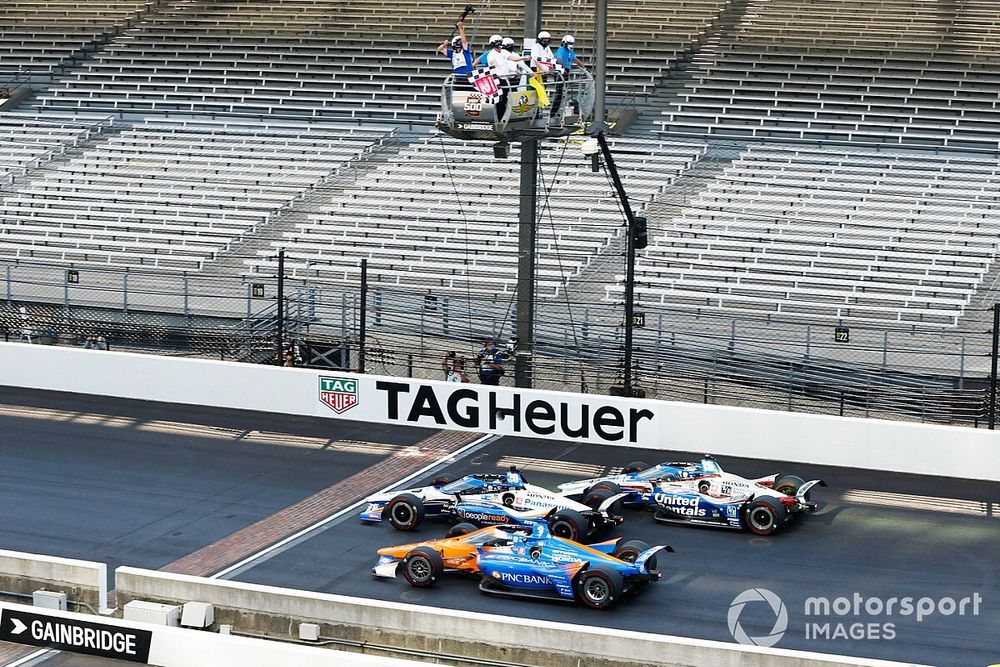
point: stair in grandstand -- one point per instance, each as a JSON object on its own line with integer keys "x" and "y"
{"x": 231, "y": 261}
{"x": 702, "y": 53}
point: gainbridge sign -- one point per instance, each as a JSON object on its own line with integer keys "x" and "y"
{"x": 507, "y": 411}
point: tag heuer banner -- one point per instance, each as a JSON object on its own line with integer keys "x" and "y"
{"x": 339, "y": 394}
{"x": 486, "y": 83}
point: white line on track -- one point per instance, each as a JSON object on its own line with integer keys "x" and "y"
{"x": 269, "y": 551}
{"x": 32, "y": 657}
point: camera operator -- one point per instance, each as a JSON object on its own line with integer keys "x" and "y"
{"x": 454, "y": 368}
{"x": 490, "y": 360}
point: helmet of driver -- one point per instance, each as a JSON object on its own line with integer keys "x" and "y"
{"x": 496, "y": 39}
{"x": 508, "y": 43}
{"x": 544, "y": 37}
{"x": 456, "y": 42}
{"x": 568, "y": 40}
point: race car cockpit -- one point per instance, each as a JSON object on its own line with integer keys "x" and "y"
{"x": 532, "y": 108}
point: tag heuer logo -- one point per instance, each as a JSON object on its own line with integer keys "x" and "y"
{"x": 339, "y": 394}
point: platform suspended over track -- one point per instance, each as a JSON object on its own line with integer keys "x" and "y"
{"x": 529, "y": 109}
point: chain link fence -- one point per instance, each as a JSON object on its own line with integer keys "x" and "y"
{"x": 940, "y": 376}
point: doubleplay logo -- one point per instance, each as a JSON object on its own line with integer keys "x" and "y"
{"x": 777, "y": 610}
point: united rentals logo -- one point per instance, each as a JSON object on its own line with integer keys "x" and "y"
{"x": 339, "y": 394}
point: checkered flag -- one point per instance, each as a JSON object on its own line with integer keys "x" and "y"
{"x": 486, "y": 82}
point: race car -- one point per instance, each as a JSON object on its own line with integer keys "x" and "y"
{"x": 490, "y": 499}
{"x": 702, "y": 493}
{"x": 527, "y": 561}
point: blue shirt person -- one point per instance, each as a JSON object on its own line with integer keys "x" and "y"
{"x": 490, "y": 360}
{"x": 457, "y": 51}
{"x": 566, "y": 55}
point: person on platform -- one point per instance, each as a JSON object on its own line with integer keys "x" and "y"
{"x": 458, "y": 52}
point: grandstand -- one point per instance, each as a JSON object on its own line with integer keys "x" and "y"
{"x": 773, "y": 234}
{"x": 801, "y": 162}
{"x": 444, "y": 214}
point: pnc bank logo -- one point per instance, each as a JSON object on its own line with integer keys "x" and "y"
{"x": 338, "y": 394}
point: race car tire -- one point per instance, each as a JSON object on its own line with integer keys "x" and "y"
{"x": 595, "y": 497}
{"x": 441, "y": 481}
{"x": 788, "y": 484}
{"x": 764, "y": 516}
{"x": 607, "y": 486}
{"x": 422, "y": 567}
{"x": 635, "y": 466}
{"x": 405, "y": 511}
{"x": 629, "y": 550}
{"x": 599, "y": 587}
{"x": 568, "y": 524}
{"x": 460, "y": 529}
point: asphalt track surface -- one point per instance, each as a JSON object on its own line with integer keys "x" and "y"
{"x": 143, "y": 484}
{"x": 845, "y": 548}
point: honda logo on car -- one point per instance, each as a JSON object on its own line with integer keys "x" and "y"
{"x": 688, "y": 506}
{"x": 491, "y": 410}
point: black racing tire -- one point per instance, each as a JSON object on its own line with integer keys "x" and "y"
{"x": 404, "y": 512}
{"x": 635, "y": 466}
{"x": 607, "y": 486}
{"x": 598, "y": 587}
{"x": 569, "y": 524}
{"x": 629, "y": 550}
{"x": 440, "y": 481}
{"x": 764, "y": 516}
{"x": 788, "y": 484}
{"x": 422, "y": 567}
{"x": 595, "y": 497}
{"x": 460, "y": 529}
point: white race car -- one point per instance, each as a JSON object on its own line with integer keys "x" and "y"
{"x": 703, "y": 493}
{"x": 490, "y": 500}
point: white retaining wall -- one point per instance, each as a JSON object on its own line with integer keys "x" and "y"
{"x": 181, "y": 647}
{"x": 79, "y": 579}
{"x": 454, "y": 628}
{"x": 725, "y": 431}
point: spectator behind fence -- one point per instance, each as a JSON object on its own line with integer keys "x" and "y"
{"x": 490, "y": 360}
{"x": 454, "y": 368}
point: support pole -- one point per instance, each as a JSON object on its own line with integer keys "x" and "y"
{"x": 280, "y": 325}
{"x": 524, "y": 357}
{"x": 992, "y": 409}
{"x": 629, "y": 263}
{"x": 600, "y": 57}
{"x": 363, "y": 323}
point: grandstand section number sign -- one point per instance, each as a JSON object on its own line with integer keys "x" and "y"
{"x": 68, "y": 634}
{"x": 842, "y": 335}
{"x": 72, "y": 276}
{"x": 638, "y": 320}
{"x": 257, "y": 290}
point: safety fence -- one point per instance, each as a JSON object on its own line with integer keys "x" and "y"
{"x": 928, "y": 375}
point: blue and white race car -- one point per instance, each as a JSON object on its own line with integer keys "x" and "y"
{"x": 491, "y": 500}
{"x": 528, "y": 561}
{"x": 702, "y": 493}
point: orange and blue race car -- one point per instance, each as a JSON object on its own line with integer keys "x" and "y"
{"x": 527, "y": 561}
